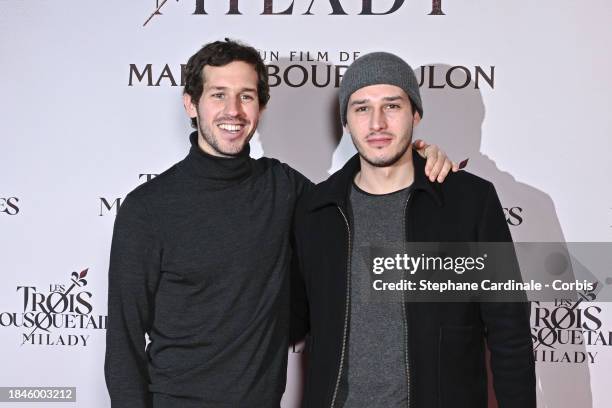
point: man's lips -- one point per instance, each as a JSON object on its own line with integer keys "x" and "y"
{"x": 231, "y": 127}
{"x": 379, "y": 140}
{"x": 231, "y": 131}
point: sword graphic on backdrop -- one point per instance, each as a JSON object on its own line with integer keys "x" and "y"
{"x": 159, "y": 6}
{"x": 77, "y": 280}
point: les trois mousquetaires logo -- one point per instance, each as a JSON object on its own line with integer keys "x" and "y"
{"x": 63, "y": 315}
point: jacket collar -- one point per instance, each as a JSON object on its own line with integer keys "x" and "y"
{"x": 335, "y": 190}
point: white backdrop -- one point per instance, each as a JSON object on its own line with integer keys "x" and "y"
{"x": 76, "y": 136}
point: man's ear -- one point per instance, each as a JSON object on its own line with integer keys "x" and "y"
{"x": 190, "y": 107}
{"x": 417, "y": 119}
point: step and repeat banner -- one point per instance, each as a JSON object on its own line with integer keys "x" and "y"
{"x": 91, "y": 107}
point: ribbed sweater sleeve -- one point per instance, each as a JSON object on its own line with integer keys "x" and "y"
{"x": 133, "y": 277}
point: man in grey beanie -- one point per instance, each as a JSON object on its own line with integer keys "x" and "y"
{"x": 398, "y": 353}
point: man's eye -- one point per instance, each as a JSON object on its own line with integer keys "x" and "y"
{"x": 361, "y": 109}
{"x": 218, "y": 95}
{"x": 393, "y": 106}
{"x": 247, "y": 97}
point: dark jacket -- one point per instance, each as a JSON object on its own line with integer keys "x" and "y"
{"x": 446, "y": 350}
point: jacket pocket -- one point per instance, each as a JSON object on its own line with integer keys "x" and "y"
{"x": 461, "y": 369}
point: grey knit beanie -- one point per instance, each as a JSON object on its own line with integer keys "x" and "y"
{"x": 379, "y": 68}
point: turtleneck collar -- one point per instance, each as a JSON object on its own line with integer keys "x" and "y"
{"x": 217, "y": 172}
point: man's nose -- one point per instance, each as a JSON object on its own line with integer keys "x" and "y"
{"x": 378, "y": 120}
{"x": 233, "y": 106}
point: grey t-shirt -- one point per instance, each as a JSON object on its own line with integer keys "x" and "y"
{"x": 377, "y": 370}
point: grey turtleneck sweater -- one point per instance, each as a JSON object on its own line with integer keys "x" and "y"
{"x": 199, "y": 262}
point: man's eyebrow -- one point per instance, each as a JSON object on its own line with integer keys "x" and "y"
{"x": 359, "y": 102}
{"x": 392, "y": 98}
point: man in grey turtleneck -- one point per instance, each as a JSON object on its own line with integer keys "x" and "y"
{"x": 200, "y": 256}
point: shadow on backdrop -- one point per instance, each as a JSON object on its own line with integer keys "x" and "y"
{"x": 302, "y": 125}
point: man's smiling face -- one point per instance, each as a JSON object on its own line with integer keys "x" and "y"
{"x": 228, "y": 110}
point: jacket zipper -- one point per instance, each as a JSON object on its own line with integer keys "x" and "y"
{"x": 346, "y": 307}
{"x": 406, "y": 351}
